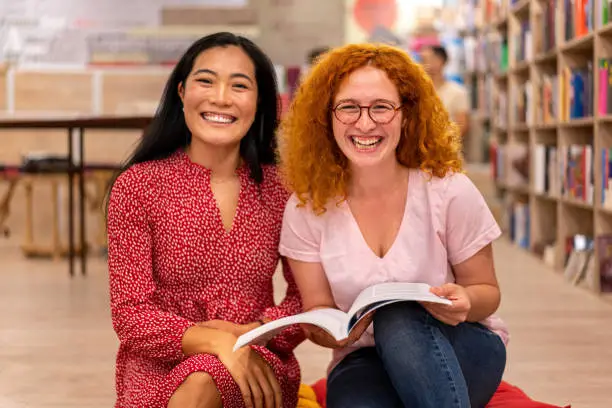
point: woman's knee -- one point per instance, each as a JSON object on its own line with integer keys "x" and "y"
{"x": 408, "y": 341}
{"x": 399, "y": 319}
{"x": 402, "y": 311}
{"x": 197, "y": 391}
{"x": 482, "y": 356}
{"x": 495, "y": 355}
{"x": 483, "y": 384}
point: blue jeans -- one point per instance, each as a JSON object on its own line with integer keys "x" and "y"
{"x": 419, "y": 362}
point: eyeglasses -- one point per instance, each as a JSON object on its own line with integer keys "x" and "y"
{"x": 380, "y": 112}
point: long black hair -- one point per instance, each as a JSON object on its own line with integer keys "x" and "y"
{"x": 168, "y": 131}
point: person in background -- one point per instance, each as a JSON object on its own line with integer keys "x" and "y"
{"x": 193, "y": 232}
{"x": 454, "y": 95}
{"x": 311, "y": 58}
{"x": 296, "y": 74}
{"x": 315, "y": 53}
{"x": 373, "y": 162}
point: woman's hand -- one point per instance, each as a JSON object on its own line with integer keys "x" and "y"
{"x": 360, "y": 328}
{"x": 229, "y": 327}
{"x": 319, "y": 336}
{"x": 251, "y": 372}
{"x": 257, "y": 382}
{"x": 450, "y": 314}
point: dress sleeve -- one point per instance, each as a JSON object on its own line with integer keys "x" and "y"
{"x": 287, "y": 340}
{"x": 142, "y": 327}
{"x": 469, "y": 223}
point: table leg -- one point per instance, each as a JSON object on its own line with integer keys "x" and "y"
{"x": 83, "y": 229}
{"x": 70, "y": 204}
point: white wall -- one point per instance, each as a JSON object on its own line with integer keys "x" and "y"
{"x": 102, "y": 12}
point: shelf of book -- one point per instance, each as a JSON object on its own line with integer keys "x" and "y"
{"x": 549, "y": 63}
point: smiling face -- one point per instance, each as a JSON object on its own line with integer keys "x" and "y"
{"x": 220, "y": 96}
{"x": 365, "y": 142}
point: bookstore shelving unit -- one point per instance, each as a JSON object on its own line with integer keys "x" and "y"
{"x": 548, "y": 63}
{"x": 484, "y": 75}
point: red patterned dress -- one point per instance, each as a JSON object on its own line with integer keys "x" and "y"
{"x": 172, "y": 264}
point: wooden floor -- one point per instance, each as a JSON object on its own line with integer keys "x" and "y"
{"x": 57, "y": 345}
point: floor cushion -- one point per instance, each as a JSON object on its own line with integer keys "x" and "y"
{"x": 510, "y": 396}
{"x": 506, "y": 396}
{"x": 307, "y": 398}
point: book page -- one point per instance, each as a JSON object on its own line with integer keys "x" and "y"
{"x": 334, "y": 321}
{"x": 363, "y": 313}
{"x": 393, "y": 291}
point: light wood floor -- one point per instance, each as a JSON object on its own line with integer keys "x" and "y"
{"x": 57, "y": 345}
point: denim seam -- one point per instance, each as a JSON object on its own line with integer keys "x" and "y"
{"x": 443, "y": 361}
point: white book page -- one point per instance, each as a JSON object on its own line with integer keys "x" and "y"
{"x": 333, "y": 321}
{"x": 394, "y": 291}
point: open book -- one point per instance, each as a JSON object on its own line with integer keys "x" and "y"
{"x": 338, "y": 323}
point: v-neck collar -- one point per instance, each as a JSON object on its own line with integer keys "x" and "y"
{"x": 403, "y": 224}
{"x": 243, "y": 176}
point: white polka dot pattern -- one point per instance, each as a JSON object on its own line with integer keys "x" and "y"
{"x": 172, "y": 263}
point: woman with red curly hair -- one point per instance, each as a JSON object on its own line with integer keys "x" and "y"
{"x": 374, "y": 165}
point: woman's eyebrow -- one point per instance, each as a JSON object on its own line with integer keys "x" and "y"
{"x": 234, "y": 75}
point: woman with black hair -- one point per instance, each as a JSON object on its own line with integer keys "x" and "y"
{"x": 193, "y": 231}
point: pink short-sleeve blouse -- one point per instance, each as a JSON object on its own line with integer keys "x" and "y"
{"x": 446, "y": 221}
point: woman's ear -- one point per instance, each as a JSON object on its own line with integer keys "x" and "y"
{"x": 181, "y": 91}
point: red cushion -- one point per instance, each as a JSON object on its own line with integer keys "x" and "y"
{"x": 510, "y": 396}
{"x": 320, "y": 390}
{"x": 506, "y": 396}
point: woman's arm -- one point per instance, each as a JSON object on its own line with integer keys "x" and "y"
{"x": 316, "y": 294}
{"x": 287, "y": 340}
{"x": 203, "y": 340}
{"x": 139, "y": 323}
{"x": 477, "y": 276}
{"x": 299, "y": 243}
{"x": 468, "y": 229}
{"x": 312, "y": 284}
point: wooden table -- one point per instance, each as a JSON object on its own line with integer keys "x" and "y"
{"x": 75, "y": 126}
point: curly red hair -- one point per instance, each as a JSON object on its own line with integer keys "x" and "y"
{"x": 312, "y": 164}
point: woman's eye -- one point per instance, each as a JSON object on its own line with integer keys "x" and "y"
{"x": 382, "y": 108}
{"x": 348, "y": 108}
{"x": 204, "y": 81}
{"x": 241, "y": 86}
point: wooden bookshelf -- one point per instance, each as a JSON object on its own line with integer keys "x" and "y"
{"x": 551, "y": 124}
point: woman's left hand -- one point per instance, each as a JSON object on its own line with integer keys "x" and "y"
{"x": 450, "y": 314}
{"x": 233, "y": 328}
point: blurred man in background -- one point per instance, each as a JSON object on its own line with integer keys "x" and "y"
{"x": 315, "y": 53}
{"x": 296, "y": 74}
{"x": 454, "y": 96}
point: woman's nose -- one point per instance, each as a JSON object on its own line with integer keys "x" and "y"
{"x": 221, "y": 95}
{"x": 365, "y": 122}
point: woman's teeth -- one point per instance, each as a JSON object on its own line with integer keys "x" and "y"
{"x": 218, "y": 118}
{"x": 366, "y": 142}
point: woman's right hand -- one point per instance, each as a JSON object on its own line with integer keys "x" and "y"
{"x": 251, "y": 372}
{"x": 319, "y": 336}
{"x": 257, "y": 382}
